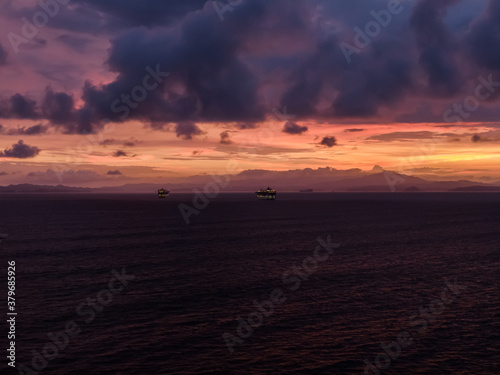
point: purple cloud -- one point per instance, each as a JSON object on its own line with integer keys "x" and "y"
{"x": 119, "y": 153}
{"x": 224, "y": 138}
{"x": 187, "y": 130}
{"x": 328, "y": 141}
{"x": 20, "y": 150}
{"x": 292, "y": 128}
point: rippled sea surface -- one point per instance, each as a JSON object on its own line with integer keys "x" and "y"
{"x": 193, "y": 282}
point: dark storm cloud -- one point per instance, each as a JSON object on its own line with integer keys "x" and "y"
{"x": 292, "y": 128}
{"x": 3, "y": 56}
{"x": 20, "y": 107}
{"x": 379, "y": 75}
{"x": 303, "y": 96}
{"x": 31, "y": 130}
{"x": 224, "y": 138}
{"x": 386, "y": 71}
{"x": 187, "y": 130}
{"x": 20, "y": 150}
{"x": 375, "y": 84}
{"x": 202, "y": 57}
{"x": 328, "y": 142}
{"x": 206, "y": 70}
{"x": 23, "y": 108}
{"x": 436, "y": 45}
{"x": 417, "y": 42}
{"x": 114, "y": 173}
{"x": 58, "y": 107}
{"x": 484, "y": 38}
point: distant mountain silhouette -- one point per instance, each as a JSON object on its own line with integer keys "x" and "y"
{"x": 319, "y": 180}
{"x": 477, "y": 188}
{"x": 29, "y": 188}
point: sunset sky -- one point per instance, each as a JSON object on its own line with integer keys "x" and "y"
{"x": 100, "y": 93}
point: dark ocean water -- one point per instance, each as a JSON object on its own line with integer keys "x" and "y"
{"x": 193, "y": 282}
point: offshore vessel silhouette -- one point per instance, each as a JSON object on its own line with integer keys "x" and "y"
{"x": 162, "y": 193}
{"x": 268, "y": 193}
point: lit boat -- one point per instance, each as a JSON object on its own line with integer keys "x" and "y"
{"x": 268, "y": 193}
{"x": 162, "y": 193}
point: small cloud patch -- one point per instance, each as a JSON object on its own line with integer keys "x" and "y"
{"x": 224, "y": 138}
{"x": 355, "y": 130}
{"x": 119, "y": 153}
{"x": 187, "y": 130}
{"x": 20, "y": 150}
{"x": 328, "y": 141}
{"x": 292, "y": 128}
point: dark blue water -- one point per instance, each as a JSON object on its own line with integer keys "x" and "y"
{"x": 192, "y": 283}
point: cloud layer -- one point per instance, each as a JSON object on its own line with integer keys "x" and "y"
{"x": 236, "y": 67}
